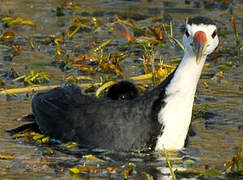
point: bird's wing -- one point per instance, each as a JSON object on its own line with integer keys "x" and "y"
{"x": 50, "y": 111}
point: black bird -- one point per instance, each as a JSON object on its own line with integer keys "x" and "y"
{"x": 123, "y": 90}
{"x": 158, "y": 119}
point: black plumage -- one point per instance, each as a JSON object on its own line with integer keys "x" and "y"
{"x": 66, "y": 114}
{"x": 123, "y": 90}
{"x": 200, "y": 20}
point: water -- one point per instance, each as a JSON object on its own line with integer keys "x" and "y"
{"x": 219, "y": 131}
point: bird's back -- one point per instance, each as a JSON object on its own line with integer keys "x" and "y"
{"x": 66, "y": 114}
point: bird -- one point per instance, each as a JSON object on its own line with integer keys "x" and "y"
{"x": 156, "y": 120}
{"x": 123, "y": 90}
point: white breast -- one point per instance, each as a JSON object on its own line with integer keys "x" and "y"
{"x": 176, "y": 114}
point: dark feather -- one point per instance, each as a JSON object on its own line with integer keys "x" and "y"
{"x": 201, "y": 20}
{"x": 66, "y": 114}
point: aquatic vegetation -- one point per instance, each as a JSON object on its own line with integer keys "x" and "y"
{"x": 77, "y": 27}
{"x": 169, "y": 165}
{"x": 125, "y": 171}
{"x": 33, "y": 78}
{"x": 171, "y": 37}
{"x": 97, "y": 60}
{"x": 237, "y": 38}
{"x": 31, "y": 136}
{"x": 103, "y": 87}
{"x": 94, "y": 48}
{"x": 16, "y": 49}
{"x": 77, "y": 79}
{"x": 204, "y": 174}
{"x": 93, "y": 158}
{"x": 26, "y": 89}
{"x": 235, "y": 166}
{"x": 7, "y": 35}
{"x": 100, "y": 47}
{"x": 6, "y": 157}
{"x": 233, "y": 169}
{"x": 136, "y": 30}
{"x": 71, "y": 145}
{"x": 10, "y": 21}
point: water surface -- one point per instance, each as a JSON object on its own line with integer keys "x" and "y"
{"x": 219, "y": 129}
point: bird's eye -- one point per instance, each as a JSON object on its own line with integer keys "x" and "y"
{"x": 214, "y": 34}
{"x": 187, "y": 33}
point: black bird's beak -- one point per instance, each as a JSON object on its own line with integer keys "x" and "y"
{"x": 199, "y": 44}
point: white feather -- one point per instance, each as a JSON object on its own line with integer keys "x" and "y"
{"x": 176, "y": 114}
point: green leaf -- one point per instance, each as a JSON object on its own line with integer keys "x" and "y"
{"x": 74, "y": 170}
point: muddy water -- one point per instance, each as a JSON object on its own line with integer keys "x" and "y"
{"x": 219, "y": 130}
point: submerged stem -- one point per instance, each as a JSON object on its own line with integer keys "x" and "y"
{"x": 169, "y": 165}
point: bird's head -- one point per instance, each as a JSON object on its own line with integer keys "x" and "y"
{"x": 200, "y": 38}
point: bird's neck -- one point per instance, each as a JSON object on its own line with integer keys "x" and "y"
{"x": 175, "y": 115}
{"x": 186, "y": 76}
